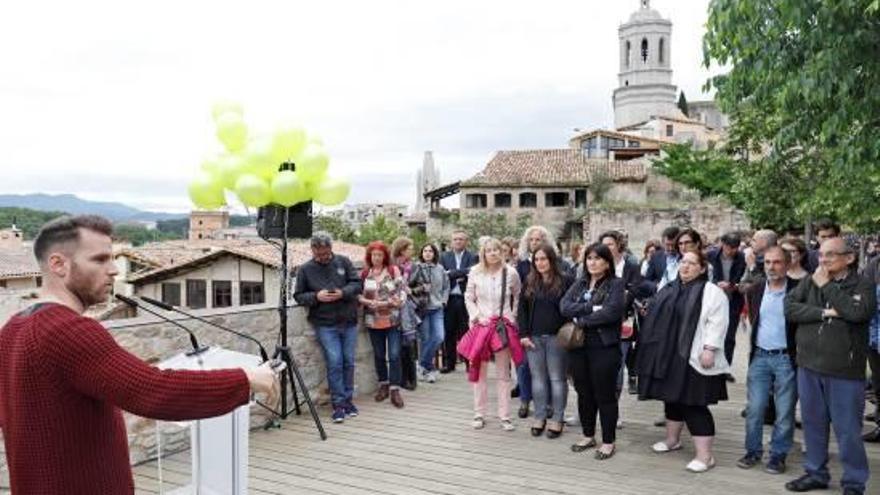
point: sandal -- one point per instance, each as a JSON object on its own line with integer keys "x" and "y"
{"x": 554, "y": 429}
{"x": 583, "y": 444}
{"x": 538, "y": 428}
{"x": 698, "y": 466}
{"x": 662, "y": 447}
{"x": 601, "y": 456}
{"x": 478, "y": 423}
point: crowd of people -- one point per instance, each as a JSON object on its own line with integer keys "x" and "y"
{"x": 662, "y": 326}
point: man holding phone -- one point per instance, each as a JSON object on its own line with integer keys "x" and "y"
{"x": 329, "y": 285}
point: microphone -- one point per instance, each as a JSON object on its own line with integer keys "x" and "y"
{"x": 168, "y": 307}
{"x": 192, "y": 337}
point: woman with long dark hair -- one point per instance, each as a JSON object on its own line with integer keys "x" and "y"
{"x": 381, "y": 299}
{"x": 595, "y": 303}
{"x": 681, "y": 360}
{"x": 429, "y": 285}
{"x": 539, "y": 320}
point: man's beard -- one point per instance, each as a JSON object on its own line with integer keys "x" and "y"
{"x": 80, "y": 286}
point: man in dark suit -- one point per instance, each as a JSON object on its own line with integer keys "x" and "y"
{"x": 663, "y": 266}
{"x": 728, "y": 267}
{"x": 457, "y": 264}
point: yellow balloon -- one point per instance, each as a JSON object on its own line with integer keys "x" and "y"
{"x": 229, "y": 168}
{"x": 211, "y": 165}
{"x": 287, "y": 142}
{"x": 252, "y": 190}
{"x": 312, "y": 163}
{"x": 206, "y": 192}
{"x": 331, "y": 191}
{"x": 287, "y": 189}
{"x": 232, "y": 132}
{"x": 223, "y": 107}
{"x": 258, "y": 159}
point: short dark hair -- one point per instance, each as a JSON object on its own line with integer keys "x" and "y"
{"x": 433, "y": 249}
{"x": 693, "y": 234}
{"x": 617, "y": 236}
{"x": 827, "y": 224}
{"x": 66, "y": 229}
{"x": 731, "y": 239}
{"x": 670, "y": 232}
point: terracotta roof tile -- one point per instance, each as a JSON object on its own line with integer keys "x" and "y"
{"x": 18, "y": 263}
{"x": 553, "y": 167}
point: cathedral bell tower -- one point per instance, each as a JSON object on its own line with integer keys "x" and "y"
{"x": 645, "y": 84}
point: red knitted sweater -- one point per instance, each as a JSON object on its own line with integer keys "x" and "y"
{"x": 63, "y": 380}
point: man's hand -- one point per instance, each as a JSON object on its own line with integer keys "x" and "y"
{"x": 326, "y": 296}
{"x": 527, "y": 343}
{"x": 830, "y": 313}
{"x": 751, "y": 259}
{"x": 820, "y": 277}
{"x": 725, "y": 286}
{"x": 263, "y": 380}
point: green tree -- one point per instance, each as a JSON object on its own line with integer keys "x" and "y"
{"x": 29, "y": 221}
{"x": 709, "y": 172}
{"x": 138, "y": 234}
{"x": 380, "y": 229}
{"x": 336, "y": 227}
{"x": 494, "y": 225}
{"x": 683, "y": 104}
{"x": 803, "y": 82}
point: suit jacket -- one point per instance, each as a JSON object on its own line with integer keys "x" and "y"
{"x": 458, "y": 275}
{"x": 737, "y": 270}
{"x": 754, "y": 294}
{"x": 654, "y": 274}
{"x": 632, "y": 277}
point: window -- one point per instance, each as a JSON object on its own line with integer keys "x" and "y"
{"x": 580, "y": 198}
{"x": 628, "y": 53}
{"x": 616, "y": 143}
{"x": 2, "y": 284}
{"x": 503, "y": 200}
{"x": 668, "y": 130}
{"x": 476, "y": 201}
{"x": 222, "y": 293}
{"x": 635, "y": 144}
{"x": 171, "y": 293}
{"x": 251, "y": 293}
{"x": 196, "y": 294}
{"x": 645, "y": 50}
{"x": 660, "y": 50}
{"x": 528, "y": 200}
{"x": 40, "y": 279}
{"x": 555, "y": 199}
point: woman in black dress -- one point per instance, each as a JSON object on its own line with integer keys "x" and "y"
{"x": 681, "y": 361}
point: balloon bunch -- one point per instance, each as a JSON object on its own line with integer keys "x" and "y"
{"x": 251, "y": 167}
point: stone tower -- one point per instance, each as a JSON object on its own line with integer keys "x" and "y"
{"x": 427, "y": 179}
{"x": 645, "y": 79}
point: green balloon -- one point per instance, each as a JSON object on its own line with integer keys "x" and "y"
{"x": 206, "y": 192}
{"x": 224, "y": 107}
{"x": 287, "y": 189}
{"x": 232, "y": 132}
{"x": 312, "y": 163}
{"x": 258, "y": 159}
{"x": 331, "y": 191}
{"x": 211, "y": 165}
{"x": 252, "y": 190}
{"x": 229, "y": 168}
{"x": 287, "y": 142}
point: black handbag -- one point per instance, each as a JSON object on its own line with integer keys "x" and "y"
{"x": 500, "y": 325}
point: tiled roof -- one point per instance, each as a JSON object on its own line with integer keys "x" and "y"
{"x": 555, "y": 167}
{"x": 18, "y": 263}
{"x": 189, "y": 254}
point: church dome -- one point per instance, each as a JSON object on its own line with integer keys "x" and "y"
{"x": 645, "y": 13}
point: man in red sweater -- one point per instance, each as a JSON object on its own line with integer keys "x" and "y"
{"x": 64, "y": 380}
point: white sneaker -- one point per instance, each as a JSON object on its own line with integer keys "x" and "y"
{"x": 478, "y": 423}
{"x": 698, "y": 466}
{"x": 431, "y": 376}
{"x": 507, "y": 425}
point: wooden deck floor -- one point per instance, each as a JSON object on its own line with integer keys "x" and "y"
{"x": 430, "y": 448}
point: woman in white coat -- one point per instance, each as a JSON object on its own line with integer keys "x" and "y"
{"x": 681, "y": 359}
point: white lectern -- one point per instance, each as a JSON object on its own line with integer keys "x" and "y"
{"x": 219, "y": 445}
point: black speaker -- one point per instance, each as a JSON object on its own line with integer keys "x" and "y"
{"x": 270, "y": 221}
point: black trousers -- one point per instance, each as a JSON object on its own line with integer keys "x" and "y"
{"x": 874, "y": 361}
{"x": 455, "y": 324}
{"x": 698, "y": 419}
{"x": 730, "y": 338}
{"x": 594, "y": 372}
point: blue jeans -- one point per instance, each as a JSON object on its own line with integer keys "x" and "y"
{"x": 339, "y": 343}
{"x": 431, "y": 334}
{"x": 387, "y": 339}
{"x": 625, "y": 348}
{"x": 524, "y": 380}
{"x": 840, "y": 402}
{"x": 548, "y": 362}
{"x": 770, "y": 373}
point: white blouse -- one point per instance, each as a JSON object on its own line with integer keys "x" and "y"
{"x": 483, "y": 294}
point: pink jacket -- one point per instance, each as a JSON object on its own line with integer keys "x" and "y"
{"x": 481, "y": 341}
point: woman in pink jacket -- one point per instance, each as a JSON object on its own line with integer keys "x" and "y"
{"x": 492, "y": 294}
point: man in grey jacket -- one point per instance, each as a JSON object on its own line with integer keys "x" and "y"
{"x": 832, "y": 309}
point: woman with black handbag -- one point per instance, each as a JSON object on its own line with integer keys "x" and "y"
{"x": 429, "y": 286}
{"x": 539, "y": 321}
{"x": 596, "y": 304}
{"x": 491, "y": 298}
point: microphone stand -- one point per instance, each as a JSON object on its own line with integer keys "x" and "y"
{"x": 197, "y": 349}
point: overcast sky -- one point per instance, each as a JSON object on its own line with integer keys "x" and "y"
{"x": 110, "y": 100}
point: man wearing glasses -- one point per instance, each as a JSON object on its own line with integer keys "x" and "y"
{"x": 832, "y": 309}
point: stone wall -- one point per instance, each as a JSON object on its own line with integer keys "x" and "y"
{"x": 154, "y": 341}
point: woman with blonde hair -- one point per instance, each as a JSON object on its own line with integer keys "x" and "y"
{"x": 491, "y": 297}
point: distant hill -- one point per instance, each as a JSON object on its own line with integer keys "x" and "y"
{"x": 69, "y": 203}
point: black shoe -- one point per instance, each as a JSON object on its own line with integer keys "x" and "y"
{"x": 523, "y": 411}
{"x": 446, "y": 371}
{"x": 776, "y": 465}
{"x": 872, "y": 436}
{"x": 804, "y": 484}
{"x": 744, "y": 413}
{"x": 514, "y": 394}
{"x": 660, "y": 423}
{"x": 748, "y": 461}
{"x": 852, "y": 491}
{"x": 871, "y": 417}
